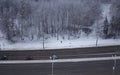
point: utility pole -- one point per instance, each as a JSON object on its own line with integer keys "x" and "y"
{"x": 97, "y": 37}
{"x": 43, "y": 41}
{"x": 97, "y": 41}
{"x": 43, "y": 29}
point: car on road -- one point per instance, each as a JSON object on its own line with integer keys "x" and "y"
{"x": 4, "y": 57}
{"x": 29, "y": 58}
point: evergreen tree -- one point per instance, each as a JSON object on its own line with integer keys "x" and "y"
{"x": 105, "y": 28}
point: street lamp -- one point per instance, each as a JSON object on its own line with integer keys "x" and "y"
{"x": 114, "y": 65}
{"x": 53, "y": 57}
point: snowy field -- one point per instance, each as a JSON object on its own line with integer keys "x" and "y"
{"x": 58, "y": 44}
{"x": 53, "y": 43}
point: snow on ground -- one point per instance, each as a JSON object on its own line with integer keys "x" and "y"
{"x": 58, "y": 44}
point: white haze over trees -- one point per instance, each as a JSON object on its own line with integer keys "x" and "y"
{"x": 32, "y": 20}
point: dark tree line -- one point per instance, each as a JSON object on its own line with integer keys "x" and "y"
{"x": 112, "y": 29}
{"x": 115, "y": 22}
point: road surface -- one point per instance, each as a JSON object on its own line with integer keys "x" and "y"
{"x": 69, "y": 68}
{"x": 63, "y": 53}
{"x": 104, "y": 67}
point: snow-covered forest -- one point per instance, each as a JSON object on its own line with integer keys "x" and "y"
{"x": 29, "y": 20}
